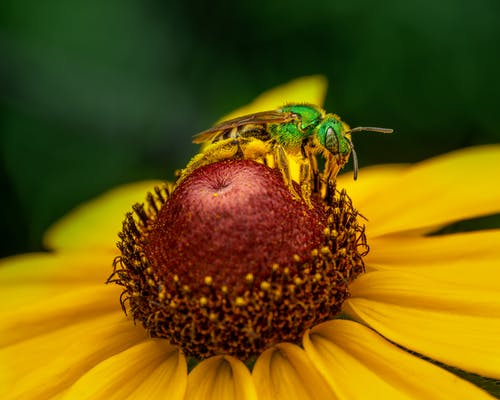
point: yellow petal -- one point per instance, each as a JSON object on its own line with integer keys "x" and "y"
{"x": 27, "y": 278}
{"x": 48, "y": 364}
{"x": 285, "y": 372}
{"x": 456, "y": 186}
{"x": 95, "y": 224}
{"x": 220, "y": 378}
{"x": 404, "y": 288}
{"x": 359, "y": 364}
{"x": 370, "y": 183}
{"x": 469, "y": 342}
{"x": 469, "y": 258}
{"x": 170, "y": 377}
{"x": 47, "y": 314}
{"x": 480, "y": 245}
{"x": 149, "y": 370}
{"x": 56, "y": 268}
{"x": 57, "y": 396}
{"x": 308, "y": 89}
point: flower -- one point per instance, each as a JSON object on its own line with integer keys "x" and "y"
{"x": 63, "y": 334}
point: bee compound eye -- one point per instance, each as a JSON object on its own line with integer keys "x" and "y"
{"x": 331, "y": 141}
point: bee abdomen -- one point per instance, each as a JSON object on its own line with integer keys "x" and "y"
{"x": 245, "y": 131}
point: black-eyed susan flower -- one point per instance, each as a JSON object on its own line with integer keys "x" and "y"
{"x": 230, "y": 274}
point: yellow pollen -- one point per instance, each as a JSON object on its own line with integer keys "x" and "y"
{"x": 265, "y": 286}
{"x": 297, "y": 280}
{"x": 173, "y": 304}
{"x": 224, "y": 289}
{"x": 317, "y": 276}
{"x": 208, "y": 280}
{"x": 343, "y": 251}
{"x": 240, "y": 301}
{"x": 176, "y": 278}
{"x": 212, "y": 316}
{"x": 151, "y": 282}
{"x": 325, "y": 250}
{"x": 326, "y": 231}
{"x": 203, "y": 301}
{"x": 275, "y": 267}
{"x": 216, "y": 194}
{"x": 314, "y": 253}
{"x": 249, "y": 278}
{"x": 296, "y": 258}
{"x": 185, "y": 288}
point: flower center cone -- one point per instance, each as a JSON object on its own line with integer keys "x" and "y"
{"x": 231, "y": 263}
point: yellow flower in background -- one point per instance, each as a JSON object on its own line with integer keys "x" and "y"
{"x": 63, "y": 333}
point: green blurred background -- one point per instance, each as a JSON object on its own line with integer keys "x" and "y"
{"x": 98, "y": 93}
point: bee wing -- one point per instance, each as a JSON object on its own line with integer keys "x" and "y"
{"x": 260, "y": 118}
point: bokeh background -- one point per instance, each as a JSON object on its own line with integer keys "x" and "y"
{"x": 97, "y": 93}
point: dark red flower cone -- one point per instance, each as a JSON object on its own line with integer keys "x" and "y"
{"x": 230, "y": 262}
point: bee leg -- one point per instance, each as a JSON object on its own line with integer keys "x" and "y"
{"x": 315, "y": 172}
{"x": 254, "y": 149}
{"x": 325, "y": 176}
{"x": 218, "y": 151}
{"x": 331, "y": 170}
{"x": 281, "y": 161}
{"x": 269, "y": 158}
{"x": 305, "y": 182}
{"x": 308, "y": 153}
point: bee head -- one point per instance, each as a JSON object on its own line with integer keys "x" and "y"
{"x": 333, "y": 136}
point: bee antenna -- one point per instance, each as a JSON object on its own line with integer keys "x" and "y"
{"x": 354, "y": 158}
{"x": 371, "y": 129}
{"x": 365, "y": 129}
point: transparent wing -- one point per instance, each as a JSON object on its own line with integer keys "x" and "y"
{"x": 261, "y": 118}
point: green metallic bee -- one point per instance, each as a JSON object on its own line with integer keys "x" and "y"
{"x": 299, "y": 131}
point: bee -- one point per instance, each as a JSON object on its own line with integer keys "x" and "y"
{"x": 300, "y": 131}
